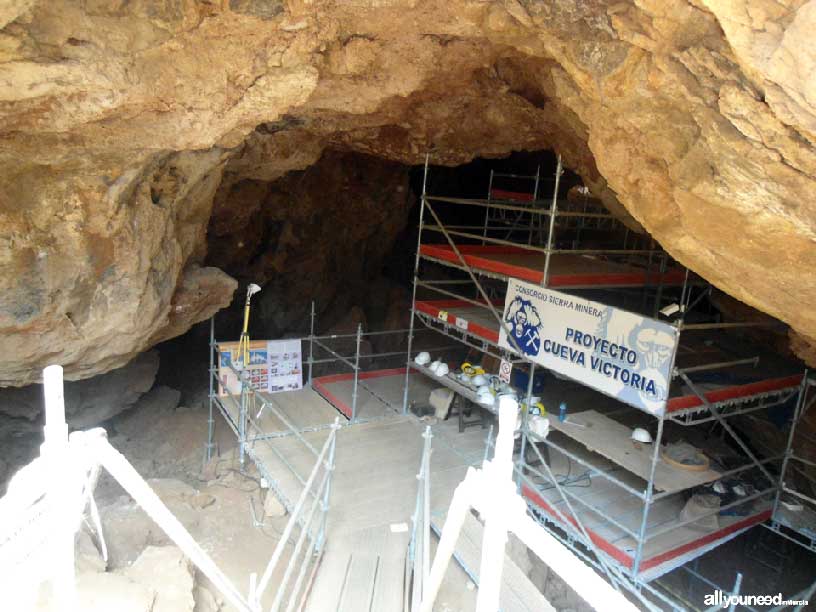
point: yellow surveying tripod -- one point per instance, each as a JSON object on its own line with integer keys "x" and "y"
{"x": 243, "y": 343}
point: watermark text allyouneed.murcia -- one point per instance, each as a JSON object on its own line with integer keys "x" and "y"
{"x": 719, "y": 598}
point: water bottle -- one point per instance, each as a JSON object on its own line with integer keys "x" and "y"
{"x": 562, "y": 411}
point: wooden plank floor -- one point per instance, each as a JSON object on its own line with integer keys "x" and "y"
{"x": 363, "y": 570}
{"x": 609, "y": 438}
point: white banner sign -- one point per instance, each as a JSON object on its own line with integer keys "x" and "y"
{"x": 619, "y": 353}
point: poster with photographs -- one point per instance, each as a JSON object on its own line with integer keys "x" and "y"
{"x": 285, "y": 365}
{"x": 229, "y": 361}
{"x": 272, "y": 366}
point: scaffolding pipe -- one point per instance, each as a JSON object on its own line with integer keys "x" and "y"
{"x": 576, "y": 520}
{"x": 660, "y": 278}
{"x": 502, "y": 325}
{"x": 242, "y": 417}
{"x": 647, "y": 501}
{"x": 532, "y": 204}
{"x": 727, "y": 428}
{"x": 754, "y": 361}
{"x": 551, "y": 231}
{"x": 311, "y": 341}
{"x": 356, "y": 373}
{"x": 487, "y": 208}
{"x": 732, "y": 325}
{"x": 528, "y": 247}
{"x": 210, "y": 421}
{"x": 334, "y": 353}
{"x": 728, "y": 473}
{"x": 526, "y": 417}
{"x": 415, "y": 278}
{"x": 511, "y": 207}
{"x": 789, "y": 447}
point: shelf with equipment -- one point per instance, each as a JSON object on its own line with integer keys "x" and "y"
{"x": 755, "y": 391}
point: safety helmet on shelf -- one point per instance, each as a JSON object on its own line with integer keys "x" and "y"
{"x": 472, "y": 369}
{"x": 479, "y": 380}
{"x": 641, "y": 435}
{"x": 423, "y": 358}
{"x": 442, "y": 370}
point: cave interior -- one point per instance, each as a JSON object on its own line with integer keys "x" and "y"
{"x": 333, "y": 248}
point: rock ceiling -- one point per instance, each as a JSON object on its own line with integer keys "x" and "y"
{"x": 119, "y": 119}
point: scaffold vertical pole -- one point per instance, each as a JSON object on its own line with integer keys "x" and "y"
{"x": 311, "y": 341}
{"x": 553, "y": 212}
{"x": 659, "y": 292}
{"x": 356, "y": 372}
{"x": 534, "y": 218}
{"x": 413, "y": 294}
{"x": 242, "y": 419}
{"x": 684, "y": 299}
{"x": 797, "y": 413}
{"x": 525, "y": 419}
{"x": 647, "y": 499}
{"x": 211, "y": 375}
{"x": 487, "y": 208}
{"x": 649, "y": 262}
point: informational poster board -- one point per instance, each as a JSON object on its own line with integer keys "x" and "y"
{"x": 622, "y": 354}
{"x": 285, "y": 365}
{"x": 274, "y": 366}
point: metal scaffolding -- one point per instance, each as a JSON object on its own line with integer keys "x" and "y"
{"x": 513, "y": 220}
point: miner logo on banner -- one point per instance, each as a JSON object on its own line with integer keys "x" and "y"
{"x": 526, "y": 325}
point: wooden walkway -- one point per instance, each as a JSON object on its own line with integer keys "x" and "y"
{"x": 373, "y": 491}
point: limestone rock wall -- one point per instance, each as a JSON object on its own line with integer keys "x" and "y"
{"x": 692, "y": 118}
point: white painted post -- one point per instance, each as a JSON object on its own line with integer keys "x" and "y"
{"x": 55, "y": 450}
{"x": 499, "y": 473}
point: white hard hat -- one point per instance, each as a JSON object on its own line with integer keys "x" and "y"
{"x": 423, "y": 358}
{"x": 641, "y": 435}
{"x": 442, "y": 370}
{"x": 479, "y": 380}
{"x": 435, "y": 365}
